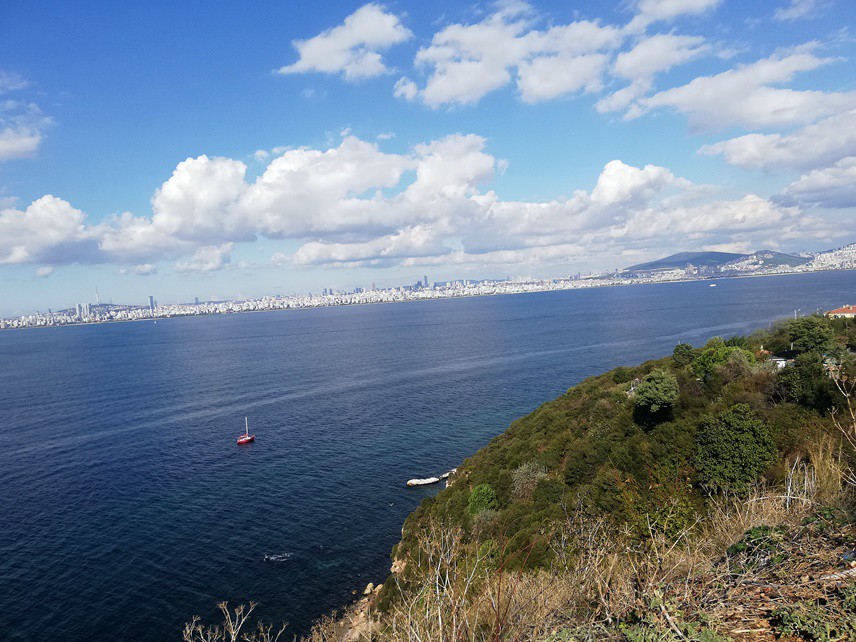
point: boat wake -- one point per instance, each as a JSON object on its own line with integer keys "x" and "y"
{"x": 278, "y": 557}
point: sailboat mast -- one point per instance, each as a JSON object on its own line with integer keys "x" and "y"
{"x": 247, "y": 425}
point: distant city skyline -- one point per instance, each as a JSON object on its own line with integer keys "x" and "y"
{"x": 679, "y": 267}
{"x": 299, "y": 146}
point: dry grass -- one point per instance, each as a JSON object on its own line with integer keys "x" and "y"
{"x": 602, "y": 577}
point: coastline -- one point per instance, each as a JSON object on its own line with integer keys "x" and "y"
{"x": 629, "y": 282}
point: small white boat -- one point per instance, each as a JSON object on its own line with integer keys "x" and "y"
{"x": 713, "y": 285}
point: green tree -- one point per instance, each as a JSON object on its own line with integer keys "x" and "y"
{"x": 732, "y": 449}
{"x": 482, "y": 497}
{"x": 657, "y": 392}
{"x": 810, "y": 334}
{"x": 622, "y": 374}
{"x": 716, "y": 353}
{"x": 683, "y": 354}
{"x": 805, "y": 382}
{"x": 738, "y": 341}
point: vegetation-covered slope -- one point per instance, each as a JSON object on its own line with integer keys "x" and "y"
{"x": 682, "y": 259}
{"x": 655, "y": 441}
{"x": 654, "y": 451}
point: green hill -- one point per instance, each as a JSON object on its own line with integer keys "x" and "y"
{"x": 645, "y": 454}
{"x": 683, "y": 259}
{"x": 767, "y": 259}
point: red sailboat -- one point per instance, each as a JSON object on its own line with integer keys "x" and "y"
{"x": 246, "y": 438}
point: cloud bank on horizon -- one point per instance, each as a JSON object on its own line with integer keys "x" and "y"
{"x": 356, "y": 203}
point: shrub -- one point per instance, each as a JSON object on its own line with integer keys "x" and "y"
{"x": 524, "y": 479}
{"x": 732, "y": 449}
{"x": 805, "y": 382}
{"x": 716, "y": 353}
{"x": 683, "y": 354}
{"x": 658, "y": 391}
{"x": 482, "y": 497}
{"x": 622, "y": 375}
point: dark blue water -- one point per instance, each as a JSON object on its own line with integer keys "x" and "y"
{"x": 126, "y": 507}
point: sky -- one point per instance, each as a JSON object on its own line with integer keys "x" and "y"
{"x": 228, "y": 150}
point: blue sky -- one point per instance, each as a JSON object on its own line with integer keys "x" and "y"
{"x": 226, "y": 150}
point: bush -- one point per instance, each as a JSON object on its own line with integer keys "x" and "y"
{"x": 658, "y": 391}
{"x": 732, "y": 449}
{"x": 525, "y": 478}
{"x": 683, "y": 354}
{"x": 716, "y": 353}
{"x": 482, "y": 498}
{"x": 622, "y": 375}
{"x": 805, "y": 382}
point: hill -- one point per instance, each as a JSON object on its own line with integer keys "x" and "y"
{"x": 625, "y": 499}
{"x": 764, "y": 260}
{"x": 683, "y": 259}
{"x": 837, "y": 259}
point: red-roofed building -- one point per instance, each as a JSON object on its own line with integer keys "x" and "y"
{"x": 846, "y": 312}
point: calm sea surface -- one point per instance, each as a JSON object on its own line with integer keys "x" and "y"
{"x": 126, "y": 507}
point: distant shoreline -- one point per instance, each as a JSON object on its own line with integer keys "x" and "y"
{"x": 628, "y": 282}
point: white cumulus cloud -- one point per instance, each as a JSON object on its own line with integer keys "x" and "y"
{"x": 48, "y": 231}
{"x": 352, "y": 48}
{"x": 817, "y": 144}
{"x": 22, "y": 126}
{"x": 207, "y": 259}
{"x": 651, "y": 11}
{"x": 748, "y": 95}
{"x": 357, "y": 205}
{"x": 828, "y": 187}
{"x": 465, "y": 62}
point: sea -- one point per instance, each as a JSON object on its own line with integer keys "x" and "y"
{"x": 126, "y": 506}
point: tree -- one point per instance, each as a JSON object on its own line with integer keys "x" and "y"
{"x": 657, "y": 392}
{"x": 716, "y": 353}
{"x": 482, "y": 497}
{"x": 804, "y": 382}
{"x": 683, "y": 354}
{"x": 738, "y": 341}
{"x": 732, "y": 449}
{"x": 810, "y": 334}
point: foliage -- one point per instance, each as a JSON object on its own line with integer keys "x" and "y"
{"x": 812, "y": 621}
{"x": 482, "y": 498}
{"x": 584, "y": 521}
{"x": 759, "y": 546}
{"x": 658, "y": 391}
{"x": 810, "y": 334}
{"x": 683, "y": 354}
{"x": 717, "y": 353}
{"x": 805, "y": 382}
{"x": 601, "y": 456}
{"x": 732, "y": 449}
{"x": 525, "y": 478}
{"x": 648, "y": 632}
{"x": 622, "y": 374}
{"x": 738, "y": 341}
